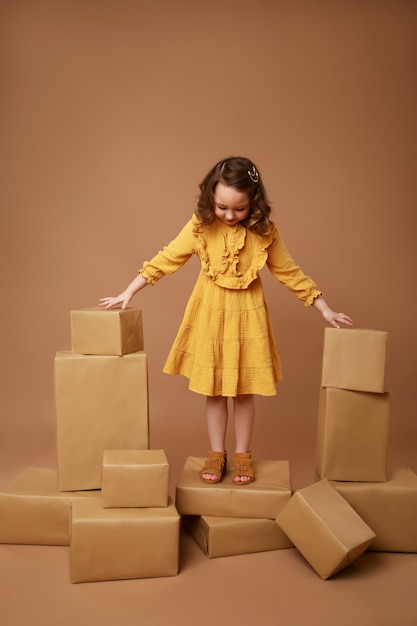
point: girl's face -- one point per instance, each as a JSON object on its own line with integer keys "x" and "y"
{"x": 230, "y": 205}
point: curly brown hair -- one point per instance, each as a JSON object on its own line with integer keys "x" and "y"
{"x": 239, "y": 173}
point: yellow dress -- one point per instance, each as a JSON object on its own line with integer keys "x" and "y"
{"x": 225, "y": 344}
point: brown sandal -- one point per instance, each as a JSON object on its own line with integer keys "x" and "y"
{"x": 242, "y": 466}
{"x": 216, "y": 465}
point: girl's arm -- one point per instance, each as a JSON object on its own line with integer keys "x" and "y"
{"x": 335, "y": 319}
{"x": 125, "y": 297}
{"x": 167, "y": 261}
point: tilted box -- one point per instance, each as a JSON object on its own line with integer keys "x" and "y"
{"x": 135, "y": 478}
{"x": 101, "y": 404}
{"x": 324, "y": 528}
{"x": 229, "y": 536}
{"x": 107, "y": 332}
{"x": 354, "y": 358}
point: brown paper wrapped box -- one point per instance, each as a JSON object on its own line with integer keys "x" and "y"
{"x": 261, "y": 499}
{"x": 229, "y": 536}
{"x": 324, "y": 528}
{"x": 117, "y": 544}
{"x": 135, "y": 478}
{"x": 101, "y": 404}
{"x": 389, "y": 508}
{"x": 113, "y": 332}
{"x": 352, "y": 435}
{"x": 354, "y": 358}
{"x": 33, "y": 511}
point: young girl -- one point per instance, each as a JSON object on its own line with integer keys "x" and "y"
{"x": 225, "y": 345}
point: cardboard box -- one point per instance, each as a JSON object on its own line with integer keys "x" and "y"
{"x": 261, "y": 499}
{"x": 352, "y": 435}
{"x": 324, "y": 528}
{"x": 389, "y": 508}
{"x": 33, "y": 511}
{"x": 101, "y": 404}
{"x": 135, "y": 478}
{"x": 117, "y": 544}
{"x": 228, "y": 536}
{"x": 109, "y": 332}
{"x": 355, "y": 359}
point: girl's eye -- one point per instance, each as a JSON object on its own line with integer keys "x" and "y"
{"x": 224, "y": 208}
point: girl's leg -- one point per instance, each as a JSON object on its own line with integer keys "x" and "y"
{"x": 216, "y": 414}
{"x": 244, "y": 418}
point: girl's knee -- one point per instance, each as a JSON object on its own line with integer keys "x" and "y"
{"x": 247, "y": 397}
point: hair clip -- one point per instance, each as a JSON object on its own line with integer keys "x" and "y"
{"x": 253, "y": 174}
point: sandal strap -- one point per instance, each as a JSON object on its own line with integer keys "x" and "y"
{"x": 242, "y": 465}
{"x": 215, "y": 464}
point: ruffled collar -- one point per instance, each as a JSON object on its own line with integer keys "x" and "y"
{"x": 233, "y": 237}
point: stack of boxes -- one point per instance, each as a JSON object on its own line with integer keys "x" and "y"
{"x": 226, "y": 518}
{"x": 133, "y": 531}
{"x": 101, "y": 393}
{"x": 354, "y": 408}
{"x": 108, "y": 499}
{"x": 354, "y": 505}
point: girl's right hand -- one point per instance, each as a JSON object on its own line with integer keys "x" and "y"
{"x": 124, "y": 298}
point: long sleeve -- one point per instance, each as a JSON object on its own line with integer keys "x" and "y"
{"x": 171, "y": 257}
{"x": 284, "y": 268}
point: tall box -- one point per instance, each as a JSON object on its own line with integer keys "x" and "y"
{"x": 107, "y": 332}
{"x": 229, "y": 536}
{"x": 389, "y": 508}
{"x": 101, "y": 404}
{"x": 352, "y": 435}
{"x": 324, "y": 528}
{"x": 261, "y": 499}
{"x": 33, "y": 511}
{"x": 135, "y": 478}
{"x": 118, "y": 544}
{"x": 354, "y": 359}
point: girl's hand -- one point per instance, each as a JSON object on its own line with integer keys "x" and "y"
{"x": 335, "y": 319}
{"x": 123, "y": 299}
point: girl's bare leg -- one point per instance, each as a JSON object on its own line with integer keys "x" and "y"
{"x": 244, "y": 418}
{"x": 216, "y": 414}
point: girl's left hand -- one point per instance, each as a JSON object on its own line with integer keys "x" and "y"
{"x": 335, "y": 319}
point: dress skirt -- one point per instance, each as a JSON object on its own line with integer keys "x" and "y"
{"x": 225, "y": 345}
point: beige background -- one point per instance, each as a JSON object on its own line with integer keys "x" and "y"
{"x": 112, "y": 113}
